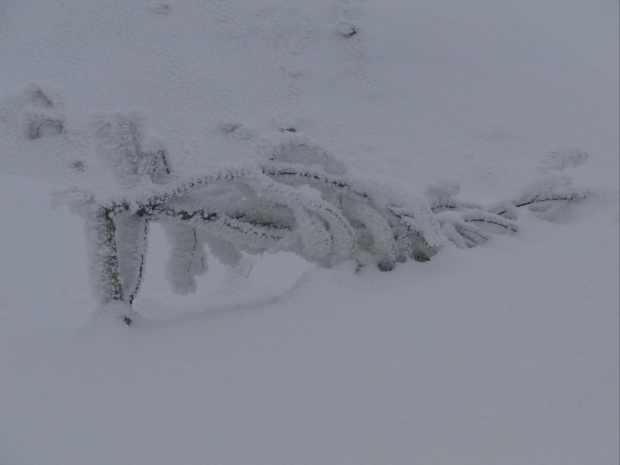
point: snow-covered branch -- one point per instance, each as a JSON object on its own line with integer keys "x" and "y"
{"x": 300, "y": 199}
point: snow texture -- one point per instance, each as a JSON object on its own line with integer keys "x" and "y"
{"x": 505, "y": 353}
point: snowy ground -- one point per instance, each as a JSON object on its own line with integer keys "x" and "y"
{"x": 507, "y": 353}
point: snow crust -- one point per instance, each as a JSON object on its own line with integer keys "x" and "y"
{"x": 507, "y": 353}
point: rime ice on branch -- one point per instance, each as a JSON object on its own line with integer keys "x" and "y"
{"x": 300, "y": 199}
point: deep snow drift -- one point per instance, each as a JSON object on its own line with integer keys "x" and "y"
{"x": 507, "y": 353}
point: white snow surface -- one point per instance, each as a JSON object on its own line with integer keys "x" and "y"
{"x": 507, "y": 353}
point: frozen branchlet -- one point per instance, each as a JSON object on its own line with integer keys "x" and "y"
{"x": 300, "y": 198}
{"x": 131, "y": 244}
{"x": 123, "y": 145}
{"x": 547, "y": 191}
{"x": 465, "y": 224}
{"x": 187, "y": 257}
{"x": 103, "y": 256}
